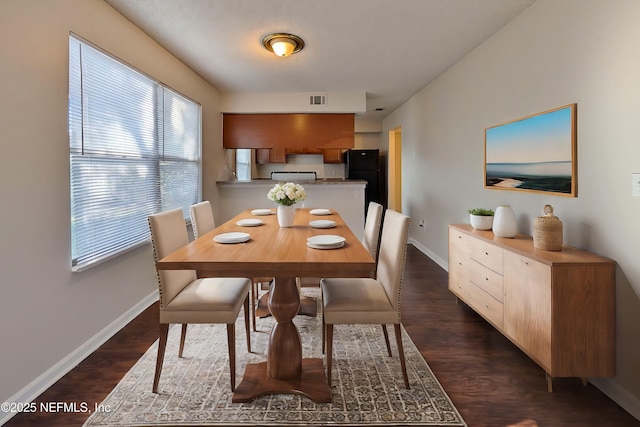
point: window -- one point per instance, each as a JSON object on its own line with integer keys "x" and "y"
{"x": 243, "y": 164}
{"x": 134, "y": 149}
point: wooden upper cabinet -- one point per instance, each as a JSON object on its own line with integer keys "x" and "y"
{"x": 293, "y": 132}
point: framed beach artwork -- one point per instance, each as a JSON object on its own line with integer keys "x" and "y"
{"x": 536, "y": 153}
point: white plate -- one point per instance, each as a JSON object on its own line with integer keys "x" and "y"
{"x": 233, "y": 237}
{"x": 336, "y": 246}
{"x": 322, "y": 223}
{"x": 250, "y": 222}
{"x": 262, "y": 212}
{"x": 325, "y": 240}
{"x": 320, "y": 212}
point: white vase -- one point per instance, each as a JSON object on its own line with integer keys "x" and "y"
{"x": 504, "y": 222}
{"x": 286, "y": 215}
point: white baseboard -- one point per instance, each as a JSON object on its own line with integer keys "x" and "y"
{"x": 621, "y": 396}
{"x": 36, "y": 387}
{"x": 442, "y": 263}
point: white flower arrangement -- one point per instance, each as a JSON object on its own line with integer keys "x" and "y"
{"x": 287, "y": 194}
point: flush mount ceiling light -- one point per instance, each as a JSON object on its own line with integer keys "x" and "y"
{"x": 283, "y": 44}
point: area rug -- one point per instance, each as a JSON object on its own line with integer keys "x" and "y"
{"x": 367, "y": 388}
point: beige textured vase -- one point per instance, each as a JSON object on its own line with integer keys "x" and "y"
{"x": 547, "y": 231}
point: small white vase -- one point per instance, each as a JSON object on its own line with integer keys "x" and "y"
{"x": 286, "y": 215}
{"x": 504, "y": 222}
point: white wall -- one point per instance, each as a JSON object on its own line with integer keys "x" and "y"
{"x": 556, "y": 53}
{"x": 46, "y": 312}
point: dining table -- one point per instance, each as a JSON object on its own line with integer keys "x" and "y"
{"x": 283, "y": 253}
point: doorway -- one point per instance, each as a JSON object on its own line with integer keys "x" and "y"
{"x": 395, "y": 169}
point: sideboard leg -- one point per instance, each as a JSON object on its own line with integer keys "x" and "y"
{"x": 585, "y": 381}
{"x": 549, "y": 382}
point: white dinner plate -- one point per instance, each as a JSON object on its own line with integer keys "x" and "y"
{"x": 320, "y": 212}
{"x": 249, "y": 222}
{"x": 336, "y": 246}
{"x": 233, "y": 237}
{"x": 325, "y": 240}
{"x": 322, "y": 223}
{"x": 262, "y": 212}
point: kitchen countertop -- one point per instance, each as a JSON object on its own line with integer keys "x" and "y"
{"x": 271, "y": 182}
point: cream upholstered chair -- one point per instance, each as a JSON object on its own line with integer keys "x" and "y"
{"x": 366, "y": 300}
{"x": 371, "y": 236}
{"x": 201, "y": 218}
{"x": 370, "y": 239}
{"x": 202, "y": 222}
{"x": 186, "y": 299}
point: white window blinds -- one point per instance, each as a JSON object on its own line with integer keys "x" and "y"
{"x": 134, "y": 150}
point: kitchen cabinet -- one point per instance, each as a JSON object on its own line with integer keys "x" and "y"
{"x": 557, "y": 306}
{"x": 332, "y": 156}
{"x": 294, "y": 132}
{"x": 270, "y": 155}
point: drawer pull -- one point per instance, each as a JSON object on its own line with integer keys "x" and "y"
{"x": 486, "y": 306}
{"x": 486, "y": 278}
{"x": 486, "y": 253}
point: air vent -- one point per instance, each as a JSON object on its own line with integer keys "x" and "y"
{"x": 317, "y": 100}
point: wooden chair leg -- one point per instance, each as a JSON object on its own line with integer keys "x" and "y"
{"x": 254, "y": 295}
{"x": 386, "y": 339}
{"x": 329, "y": 327}
{"x": 403, "y": 365}
{"x": 162, "y": 345}
{"x": 183, "y": 337}
{"x": 246, "y": 323}
{"x": 323, "y": 334}
{"x": 231, "y": 343}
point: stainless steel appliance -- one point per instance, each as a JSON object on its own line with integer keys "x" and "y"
{"x": 293, "y": 176}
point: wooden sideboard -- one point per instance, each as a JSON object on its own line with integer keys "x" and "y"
{"x": 556, "y": 306}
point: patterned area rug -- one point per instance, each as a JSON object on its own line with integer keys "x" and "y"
{"x": 194, "y": 391}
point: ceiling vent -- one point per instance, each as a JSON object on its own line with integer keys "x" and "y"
{"x": 317, "y": 99}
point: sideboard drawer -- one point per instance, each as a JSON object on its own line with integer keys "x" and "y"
{"x": 486, "y": 279}
{"x": 487, "y": 254}
{"x": 486, "y": 305}
{"x": 459, "y": 274}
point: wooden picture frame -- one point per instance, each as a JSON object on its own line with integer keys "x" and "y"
{"x": 536, "y": 153}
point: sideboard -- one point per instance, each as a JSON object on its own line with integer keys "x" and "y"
{"x": 558, "y": 307}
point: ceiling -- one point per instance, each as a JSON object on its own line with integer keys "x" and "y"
{"x": 388, "y": 49}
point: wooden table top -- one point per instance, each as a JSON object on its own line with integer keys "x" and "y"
{"x": 273, "y": 251}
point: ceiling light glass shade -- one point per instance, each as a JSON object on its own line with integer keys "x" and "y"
{"x": 282, "y": 47}
{"x": 283, "y": 44}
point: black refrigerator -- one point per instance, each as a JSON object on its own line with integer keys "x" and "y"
{"x": 365, "y": 164}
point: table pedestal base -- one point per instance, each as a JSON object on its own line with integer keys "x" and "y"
{"x": 308, "y": 306}
{"x": 256, "y": 382}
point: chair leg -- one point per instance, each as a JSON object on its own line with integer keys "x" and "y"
{"x": 183, "y": 337}
{"x": 324, "y": 339}
{"x": 386, "y": 339}
{"x": 323, "y": 324}
{"x": 254, "y": 295}
{"x": 162, "y": 345}
{"x": 329, "y": 351}
{"x": 231, "y": 343}
{"x": 246, "y": 323}
{"x": 403, "y": 365}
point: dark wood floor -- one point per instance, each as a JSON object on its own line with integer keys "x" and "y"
{"x": 489, "y": 380}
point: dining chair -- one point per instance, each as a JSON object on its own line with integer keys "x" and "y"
{"x": 202, "y": 222}
{"x": 369, "y": 300}
{"x": 186, "y": 299}
{"x": 370, "y": 240}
